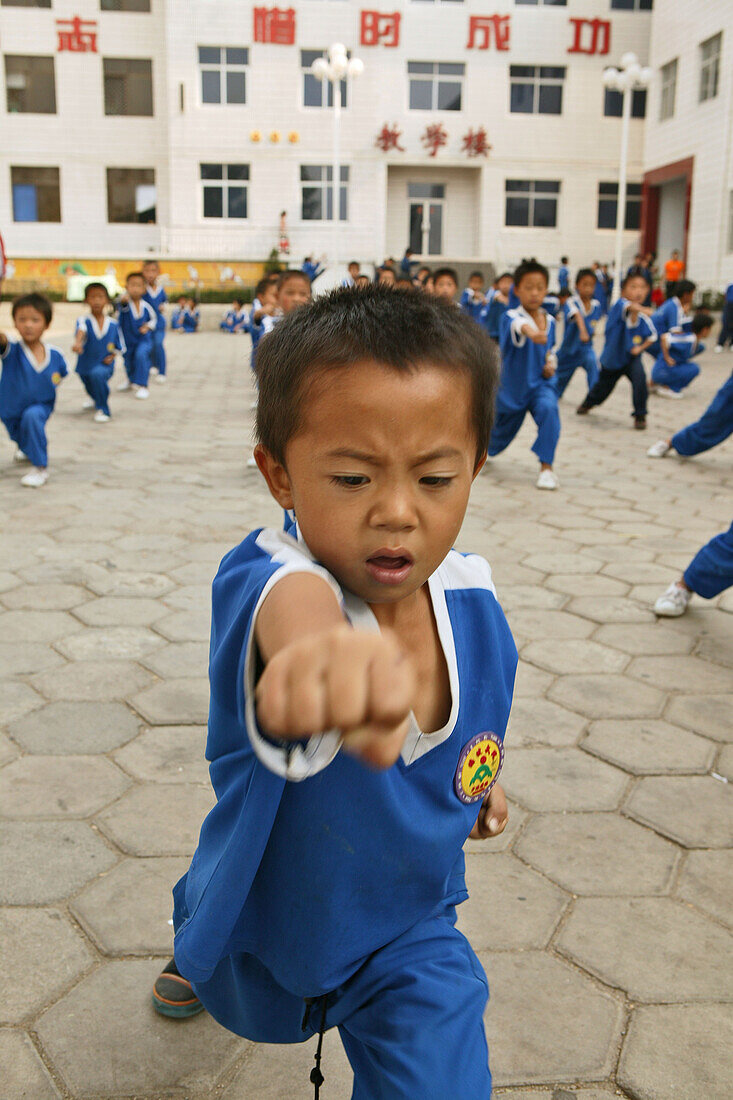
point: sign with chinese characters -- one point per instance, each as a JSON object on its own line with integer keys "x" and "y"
{"x": 76, "y": 35}
{"x": 474, "y": 143}
{"x": 274, "y": 25}
{"x": 485, "y": 30}
{"x": 379, "y": 28}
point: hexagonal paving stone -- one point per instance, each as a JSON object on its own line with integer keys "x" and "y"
{"x": 121, "y": 611}
{"x": 540, "y": 722}
{"x": 610, "y": 609}
{"x": 562, "y": 562}
{"x": 707, "y": 714}
{"x": 25, "y": 658}
{"x": 655, "y": 949}
{"x": 531, "y": 681}
{"x": 654, "y": 639}
{"x": 8, "y": 751}
{"x": 75, "y": 727}
{"x": 689, "y": 674}
{"x": 129, "y": 1050}
{"x": 24, "y": 1075}
{"x": 585, "y": 584}
{"x": 607, "y": 696}
{"x": 707, "y": 882}
{"x": 186, "y": 626}
{"x": 40, "y": 955}
{"x": 59, "y": 786}
{"x": 531, "y": 907}
{"x": 8, "y": 581}
{"x": 179, "y": 660}
{"x": 672, "y": 1051}
{"x": 122, "y": 582}
{"x": 546, "y": 1022}
{"x": 574, "y": 654}
{"x": 649, "y": 746}
{"x": 724, "y": 765}
{"x": 70, "y": 853}
{"x": 695, "y": 810}
{"x": 596, "y": 842}
{"x": 561, "y": 779}
{"x": 175, "y": 702}
{"x": 93, "y": 680}
{"x": 127, "y": 910}
{"x": 143, "y": 823}
{"x": 18, "y": 699}
{"x": 112, "y": 642}
{"x": 167, "y": 754}
{"x": 281, "y": 1072}
{"x": 36, "y": 626}
{"x": 529, "y": 595}
{"x": 45, "y": 597}
{"x": 548, "y": 624}
{"x": 190, "y": 597}
{"x": 718, "y": 649}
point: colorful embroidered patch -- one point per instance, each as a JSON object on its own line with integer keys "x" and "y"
{"x": 478, "y": 767}
{"x": 111, "y": 347}
{"x": 637, "y": 340}
{"x": 55, "y": 378}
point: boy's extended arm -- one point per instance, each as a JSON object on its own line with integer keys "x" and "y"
{"x": 320, "y": 674}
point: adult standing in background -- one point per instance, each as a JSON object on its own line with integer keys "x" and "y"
{"x": 674, "y": 269}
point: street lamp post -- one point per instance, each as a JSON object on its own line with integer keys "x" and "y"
{"x": 334, "y": 68}
{"x": 625, "y": 79}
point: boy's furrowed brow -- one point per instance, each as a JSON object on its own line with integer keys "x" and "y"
{"x": 365, "y": 456}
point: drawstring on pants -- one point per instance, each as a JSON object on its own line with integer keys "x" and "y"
{"x": 316, "y": 1077}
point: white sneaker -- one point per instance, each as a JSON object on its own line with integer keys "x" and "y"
{"x": 674, "y": 601}
{"x": 20, "y": 456}
{"x": 665, "y": 391}
{"x": 161, "y": 378}
{"x": 35, "y": 478}
{"x": 718, "y": 348}
{"x": 251, "y": 463}
{"x": 124, "y": 386}
{"x": 658, "y": 449}
{"x": 547, "y": 480}
{"x": 142, "y": 392}
{"x": 101, "y": 417}
{"x": 87, "y": 403}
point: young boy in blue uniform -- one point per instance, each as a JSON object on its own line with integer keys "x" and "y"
{"x": 497, "y": 302}
{"x": 191, "y": 316}
{"x": 235, "y": 318}
{"x": 582, "y": 313}
{"x": 137, "y": 321}
{"x": 264, "y": 306}
{"x": 629, "y": 332}
{"x": 361, "y": 679}
{"x": 473, "y": 300}
{"x": 97, "y": 339}
{"x": 673, "y": 369}
{"x": 30, "y": 374}
{"x": 713, "y": 427}
{"x": 156, "y": 297}
{"x": 563, "y": 274}
{"x": 527, "y": 339}
{"x": 674, "y": 315}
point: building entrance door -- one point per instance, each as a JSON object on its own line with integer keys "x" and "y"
{"x": 426, "y": 217}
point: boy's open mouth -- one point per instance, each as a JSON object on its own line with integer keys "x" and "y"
{"x": 389, "y": 566}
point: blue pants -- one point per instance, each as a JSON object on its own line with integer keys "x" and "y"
{"x": 715, "y": 424}
{"x": 28, "y": 431}
{"x": 677, "y": 377}
{"x": 711, "y": 570}
{"x": 138, "y": 361}
{"x": 96, "y": 383}
{"x": 566, "y": 370}
{"x": 542, "y": 406}
{"x": 159, "y": 356}
{"x": 410, "y": 1019}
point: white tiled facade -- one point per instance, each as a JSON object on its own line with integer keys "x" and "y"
{"x": 578, "y": 148}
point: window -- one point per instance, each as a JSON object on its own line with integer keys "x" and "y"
{"x": 224, "y": 188}
{"x": 710, "y": 67}
{"x": 25, "y": 4}
{"x": 532, "y": 203}
{"x": 318, "y": 93}
{"x": 547, "y": 3}
{"x": 30, "y": 85}
{"x": 36, "y": 194}
{"x": 632, "y": 5}
{"x": 131, "y": 195}
{"x": 124, "y": 5}
{"x": 536, "y": 89}
{"x": 608, "y": 205}
{"x": 128, "y": 86}
{"x": 435, "y": 85}
{"x": 316, "y": 191}
{"x": 223, "y": 74}
{"x": 613, "y": 103}
{"x": 668, "y": 74}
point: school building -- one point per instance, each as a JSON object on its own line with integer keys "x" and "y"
{"x": 477, "y": 132}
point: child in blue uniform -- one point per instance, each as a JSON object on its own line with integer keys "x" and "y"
{"x": 674, "y": 315}
{"x": 264, "y": 307}
{"x": 582, "y": 313}
{"x": 179, "y": 313}
{"x": 137, "y": 320}
{"x": 191, "y": 316}
{"x": 629, "y": 332}
{"x": 31, "y": 373}
{"x": 674, "y": 370}
{"x": 235, "y": 318}
{"x": 713, "y": 427}
{"x": 361, "y": 679}
{"x": 473, "y": 299}
{"x": 497, "y": 302}
{"x": 527, "y": 340}
{"x": 563, "y": 274}
{"x": 156, "y": 297}
{"x": 97, "y": 339}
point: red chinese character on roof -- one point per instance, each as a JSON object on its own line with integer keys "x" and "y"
{"x": 389, "y": 138}
{"x": 379, "y": 27}
{"x": 598, "y": 38}
{"x": 274, "y": 25}
{"x": 476, "y": 143}
{"x": 481, "y": 28}
{"x": 434, "y": 137}
{"x": 74, "y": 38}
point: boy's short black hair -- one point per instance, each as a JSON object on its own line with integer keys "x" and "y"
{"x": 353, "y": 263}
{"x": 395, "y": 327}
{"x": 530, "y": 267}
{"x": 238, "y": 301}
{"x": 39, "y": 302}
{"x": 405, "y": 283}
{"x": 684, "y": 286}
{"x": 636, "y": 272}
{"x": 585, "y": 273}
{"x": 292, "y": 273}
{"x": 700, "y": 321}
{"x": 263, "y": 285}
{"x": 95, "y": 286}
{"x": 563, "y": 259}
{"x": 149, "y": 261}
{"x": 476, "y": 275}
{"x": 563, "y": 292}
{"x": 445, "y": 272}
{"x": 504, "y": 275}
{"x": 134, "y": 275}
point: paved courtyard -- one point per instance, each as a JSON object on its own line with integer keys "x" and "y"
{"x": 601, "y": 916}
